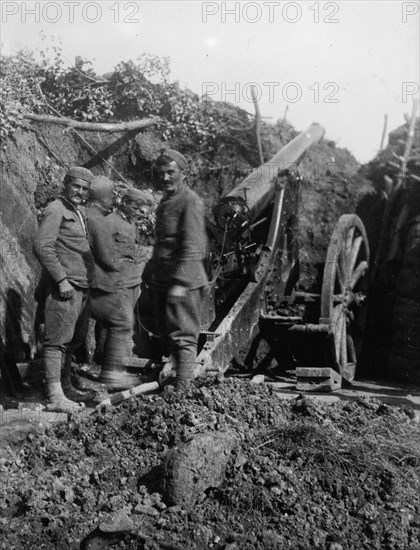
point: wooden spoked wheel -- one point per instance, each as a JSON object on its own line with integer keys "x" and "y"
{"x": 344, "y": 290}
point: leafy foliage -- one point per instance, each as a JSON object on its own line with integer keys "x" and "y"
{"x": 20, "y": 79}
{"x": 43, "y": 83}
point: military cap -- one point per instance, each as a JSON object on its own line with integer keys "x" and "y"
{"x": 176, "y": 156}
{"x": 138, "y": 195}
{"x": 80, "y": 173}
{"x": 100, "y": 185}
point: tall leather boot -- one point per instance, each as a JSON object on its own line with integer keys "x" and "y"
{"x": 114, "y": 375}
{"x": 56, "y": 400}
{"x": 69, "y": 390}
{"x": 185, "y": 373}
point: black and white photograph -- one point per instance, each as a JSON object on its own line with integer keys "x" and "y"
{"x": 210, "y": 275}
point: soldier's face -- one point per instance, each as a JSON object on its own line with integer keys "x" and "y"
{"x": 170, "y": 177}
{"x": 76, "y": 191}
{"x": 134, "y": 209}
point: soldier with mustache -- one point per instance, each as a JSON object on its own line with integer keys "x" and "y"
{"x": 62, "y": 248}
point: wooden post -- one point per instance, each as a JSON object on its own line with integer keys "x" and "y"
{"x": 257, "y": 124}
{"x": 381, "y": 146}
{"x": 392, "y": 196}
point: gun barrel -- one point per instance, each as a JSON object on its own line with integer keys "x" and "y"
{"x": 248, "y": 200}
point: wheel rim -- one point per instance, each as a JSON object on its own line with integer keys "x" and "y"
{"x": 344, "y": 290}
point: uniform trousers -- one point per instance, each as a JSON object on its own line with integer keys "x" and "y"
{"x": 66, "y": 321}
{"x": 115, "y": 311}
{"x": 65, "y": 329}
{"x": 179, "y": 322}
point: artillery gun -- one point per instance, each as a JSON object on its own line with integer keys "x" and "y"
{"x": 254, "y": 267}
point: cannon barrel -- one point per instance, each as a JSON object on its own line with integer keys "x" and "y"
{"x": 245, "y": 203}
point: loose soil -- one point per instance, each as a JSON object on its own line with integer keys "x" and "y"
{"x": 302, "y": 475}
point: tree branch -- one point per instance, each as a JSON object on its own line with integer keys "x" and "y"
{"x": 94, "y": 126}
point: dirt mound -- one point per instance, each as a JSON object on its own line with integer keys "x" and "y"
{"x": 303, "y": 475}
{"x": 332, "y": 185}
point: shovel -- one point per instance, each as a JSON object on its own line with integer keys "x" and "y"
{"x": 164, "y": 376}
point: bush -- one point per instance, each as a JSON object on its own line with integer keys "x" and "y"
{"x": 42, "y": 83}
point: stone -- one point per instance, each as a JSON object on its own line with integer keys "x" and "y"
{"x": 116, "y": 523}
{"x": 193, "y": 467}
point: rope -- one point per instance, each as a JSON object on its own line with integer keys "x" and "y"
{"x": 89, "y": 146}
{"x": 45, "y": 144}
{"x": 92, "y": 149}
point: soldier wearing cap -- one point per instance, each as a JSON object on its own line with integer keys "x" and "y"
{"x": 115, "y": 290}
{"x": 62, "y": 248}
{"x": 101, "y": 198}
{"x": 178, "y": 278}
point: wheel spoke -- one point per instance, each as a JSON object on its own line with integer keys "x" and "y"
{"x": 341, "y": 271}
{"x": 349, "y": 244}
{"x": 355, "y": 249}
{"x": 340, "y": 279}
{"x": 343, "y": 345}
{"x": 351, "y": 349}
{"x": 358, "y": 273}
{"x": 336, "y": 325}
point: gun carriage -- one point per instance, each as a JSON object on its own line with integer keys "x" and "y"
{"x": 254, "y": 266}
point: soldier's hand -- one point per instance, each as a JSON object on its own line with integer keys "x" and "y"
{"x": 176, "y": 293}
{"x": 65, "y": 290}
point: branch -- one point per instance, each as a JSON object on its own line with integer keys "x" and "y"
{"x": 93, "y": 80}
{"x": 94, "y": 126}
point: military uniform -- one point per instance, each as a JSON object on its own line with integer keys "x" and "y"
{"x": 116, "y": 287}
{"x": 62, "y": 248}
{"x": 94, "y": 215}
{"x": 177, "y": 260}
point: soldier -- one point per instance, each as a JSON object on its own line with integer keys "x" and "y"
{"x": 101, "y": 198}
{"x": 178, "y": 278}
{"x": 62, "y": 249}
{"x": 116, "y": 287}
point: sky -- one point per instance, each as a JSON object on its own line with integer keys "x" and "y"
{"x": 342, "y": 64}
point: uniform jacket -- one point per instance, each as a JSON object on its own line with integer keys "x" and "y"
{"x": 115, "y": 246}
{"x": 180, "y": 242}
{"x": 61, "y": 244}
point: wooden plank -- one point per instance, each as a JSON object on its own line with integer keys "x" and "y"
{"x": 317, "y": 379}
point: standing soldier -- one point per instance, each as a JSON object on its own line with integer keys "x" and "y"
{"x": 101, "y": 199}
{"x": 62, "y": 249}
{"x": 178, "y": 277}
{"x": 118, "y": 267}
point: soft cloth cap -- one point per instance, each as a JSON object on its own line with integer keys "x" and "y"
{"x": 176, "y": 156}
{"x": 99, "y": 187}
{"x": 138, "y": 195}
{"x": 80, "y": 173}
